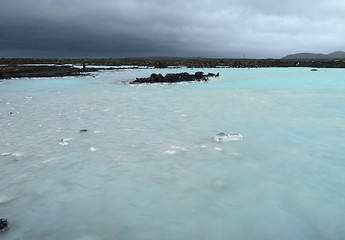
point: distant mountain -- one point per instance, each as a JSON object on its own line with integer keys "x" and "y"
{"x": 337, "y": 55}
{"x": 333, "y": 55}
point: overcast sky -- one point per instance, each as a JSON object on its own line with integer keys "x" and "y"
{"x": 187, "y": 28}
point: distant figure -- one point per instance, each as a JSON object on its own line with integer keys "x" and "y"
{"x": 3, "y": 224}
{"x": 84, "y": 66}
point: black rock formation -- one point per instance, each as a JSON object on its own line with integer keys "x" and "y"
{"x": 3, "y": 224}
{"x": 174, "y": 78}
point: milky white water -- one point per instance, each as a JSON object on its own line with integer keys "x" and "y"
{"x": 147, "y": 167}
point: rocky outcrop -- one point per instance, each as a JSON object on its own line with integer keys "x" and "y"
{"x": 175, "y": 78}
{"x": 3, "y": 224}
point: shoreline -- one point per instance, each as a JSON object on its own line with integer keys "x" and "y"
{"x": 13, "y": 71}
{"x": 39, "y": 67}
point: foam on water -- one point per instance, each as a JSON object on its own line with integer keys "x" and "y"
{"x": 147, "y": 167}
{"x": 227, "y": 137}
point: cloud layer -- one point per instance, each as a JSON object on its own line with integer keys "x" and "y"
{"x": 203, "y": 28}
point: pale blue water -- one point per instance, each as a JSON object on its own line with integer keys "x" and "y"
{"x": 148, "y": 169}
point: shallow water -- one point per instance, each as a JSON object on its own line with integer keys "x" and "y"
{"x": 147, "y": 167}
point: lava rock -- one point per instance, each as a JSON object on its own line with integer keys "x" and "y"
{"x": 174, "y": 78}
{"x": 3, "y": 224}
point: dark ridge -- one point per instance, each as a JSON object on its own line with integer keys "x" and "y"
{"x": 41, "y": 71}
{"x": 16, "y": 68}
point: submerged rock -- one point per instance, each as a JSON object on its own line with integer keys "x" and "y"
{"x": 227, "y": 137}
{"x": 175, "y": 78}
{"x": 3, "y": 224}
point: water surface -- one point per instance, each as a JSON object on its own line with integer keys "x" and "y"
{"x": 148, "y": 169}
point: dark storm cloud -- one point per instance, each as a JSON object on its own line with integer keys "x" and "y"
{"x": 218, "y": 28}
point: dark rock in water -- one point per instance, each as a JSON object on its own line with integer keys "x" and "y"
{"x": 213, "y": 75}
{"x": 3, "y": 224}
{"x": 174, "y": 78}
{"x": 313, "y": 70}
{"x": 83, "y": 130}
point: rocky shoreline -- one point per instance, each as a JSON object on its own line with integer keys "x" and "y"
{"x": 22, "y": 67}
{"x": 174, "y": 78}
{"x": 7, "y": 72}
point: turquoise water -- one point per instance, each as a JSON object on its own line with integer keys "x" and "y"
{"x": 147, "y": 167}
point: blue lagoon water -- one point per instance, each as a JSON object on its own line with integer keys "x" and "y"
{"x": 147, "y": 167}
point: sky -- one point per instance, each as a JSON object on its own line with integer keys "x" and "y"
{"x": 175, "y": 28}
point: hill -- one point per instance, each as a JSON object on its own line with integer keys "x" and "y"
{"x": 333, "y": 55}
